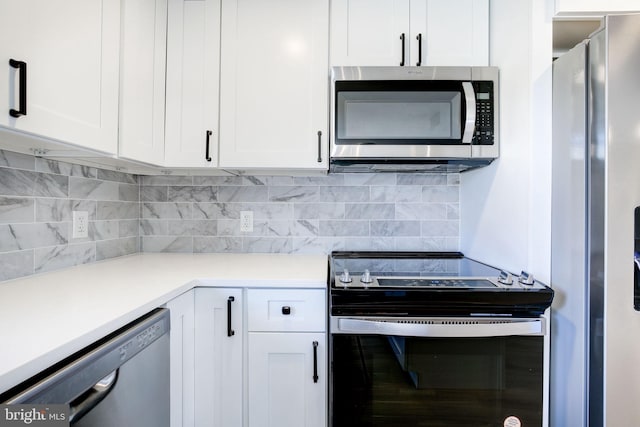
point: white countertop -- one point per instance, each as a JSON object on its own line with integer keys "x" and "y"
{"x": 47, "y": 317}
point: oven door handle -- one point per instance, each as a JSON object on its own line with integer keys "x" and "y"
{"x": 452, "y": 329}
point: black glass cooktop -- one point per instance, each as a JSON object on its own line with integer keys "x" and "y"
{"x": 428, "y": 284}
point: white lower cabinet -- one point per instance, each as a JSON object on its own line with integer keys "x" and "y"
{"x": 181, "y": 355}
{"x": 287, "y": 372}
{"x": 219, "y": 357}
{"x": 287, "y": 379}
{"x": 260, "y": 357}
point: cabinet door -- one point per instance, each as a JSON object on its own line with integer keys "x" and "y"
{"x": 436, "y": 32}
{"x": 193, "y": 47}
{"x": 454, "y": 32}
{"x": 368, "y": 32}
{"x": 282, "y": 388}
{"x": 219, "y": 357}
{"x": 142, "y": 80}
{"x": 71, "y": 51}
{"x": 274, "y": 84}
{"x": 182, "y": 359}
{"x": 584, "y": 8}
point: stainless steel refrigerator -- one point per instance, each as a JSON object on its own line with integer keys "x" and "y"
{"x": 595, "y": 329}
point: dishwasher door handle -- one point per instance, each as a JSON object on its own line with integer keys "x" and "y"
{"x": 90, "y": 399}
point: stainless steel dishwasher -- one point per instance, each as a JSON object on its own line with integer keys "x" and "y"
{"x": 121, "y": 381}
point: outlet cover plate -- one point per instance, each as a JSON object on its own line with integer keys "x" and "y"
{"x": 246, "y": 221}
{"x": 80, "y": 224}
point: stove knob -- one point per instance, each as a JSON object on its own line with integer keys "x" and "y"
{"x": 366, "y": 277}
{"x": 345, "y": 277}
{"x": 526, "y": 278}
{"x": 505, "y": 278}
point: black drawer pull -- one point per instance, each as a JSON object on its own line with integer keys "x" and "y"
{"x": 419, "y": 38}
{"x": 230, "y": 332}
{"x": 22, "y": 73}
{"x": 286, "y": 310}
{"x": 402, "y": 43}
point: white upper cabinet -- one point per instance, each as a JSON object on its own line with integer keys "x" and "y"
{"x": 594, "y": 7}
{"x": 142, "y": 80}
{"x": 453, "y": 32}
{"x": 71, "y": 53}
{"x": 368, "y": 32}
{"x": 192, "y": 91}
{"x": 409, "y": 32}
{"x": 274, "y": 84}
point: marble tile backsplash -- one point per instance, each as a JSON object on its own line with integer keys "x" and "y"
{"x": 129, "y": 213}
{"x": 37, "y": 198}
{"x": 300, "y": 214}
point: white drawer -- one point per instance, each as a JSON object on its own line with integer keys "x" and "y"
{"x": 283, "y": 310}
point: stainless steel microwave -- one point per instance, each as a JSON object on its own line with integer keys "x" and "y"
{"x": 413, "y": 118}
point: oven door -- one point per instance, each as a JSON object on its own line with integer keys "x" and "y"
{"x": 436, "y": 372}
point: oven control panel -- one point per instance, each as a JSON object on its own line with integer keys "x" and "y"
{"x": 365, "y": 279}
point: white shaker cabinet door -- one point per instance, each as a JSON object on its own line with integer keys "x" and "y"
{"x": 287, "y": 379}
{"x": 71, "y": 52}
{"x": 219, "y": 357}
{"x": 182, "y": 370}
{"x": 193, "y": 48}
{"x": 142, "y": 80}
{"x": 370, "y": 32}
{"x": 586, "y": 8}
{"x": 452, "y": 32}
{"x": 274, "y": 84}
{"x": 409, "y": 32}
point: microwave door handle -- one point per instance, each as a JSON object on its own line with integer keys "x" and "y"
{"x": 470, "y": 122}
{"x": 462, "y": 330}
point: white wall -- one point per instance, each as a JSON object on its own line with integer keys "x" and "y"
{"x": 506, "y": 207}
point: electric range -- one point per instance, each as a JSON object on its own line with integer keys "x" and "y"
{"x": 434, "y": 338}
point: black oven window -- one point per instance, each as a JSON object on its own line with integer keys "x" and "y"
{"x": 396, "y": 381}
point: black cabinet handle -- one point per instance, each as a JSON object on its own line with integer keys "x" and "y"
{"x": 22, "y": 73}
{"x": 230, "y": 332}
{"x": 315, "y": 361}
{"x": 402, "y": 43}
{"x": 419, "y": 38}
{"x": 319, "y": 146}
{"x": 207, "y": 156}
{"x": 286, "y": 310}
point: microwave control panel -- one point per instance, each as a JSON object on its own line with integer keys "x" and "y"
{"x": 484, "y": 133}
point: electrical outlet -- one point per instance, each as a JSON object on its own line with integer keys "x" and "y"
{"x": 80, "y": 224}
{"x": 246, "y": 221}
